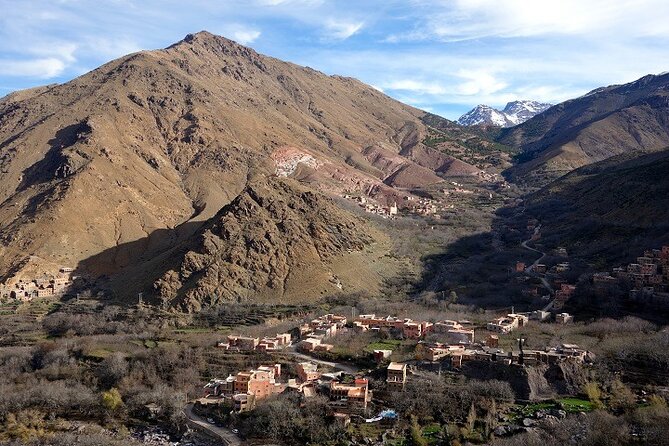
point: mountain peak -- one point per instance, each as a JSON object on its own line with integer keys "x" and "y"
{"x": 513, "y": 113}
{"x": 211, "y": 42}
{"x": 484, "y": 115}
{"x": 200, "y": 35}
{"x": 205, "y": 37}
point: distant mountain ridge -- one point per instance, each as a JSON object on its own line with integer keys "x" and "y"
{"x": 514, "y": 113}
{"x": 605, "y": 122}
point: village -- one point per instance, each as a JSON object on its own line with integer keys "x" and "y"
{"x": 302, "y": 359}
{"x": 447, "y": 344}
{"x": 44, "y": 286}
{"x": 443, "y": 199}
{"x": 647, "y": 279}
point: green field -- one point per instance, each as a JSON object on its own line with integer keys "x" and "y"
{"x": 387, "y": 344}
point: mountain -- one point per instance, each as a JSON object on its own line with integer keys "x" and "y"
{"x": 609, "y": 211}
{"x": 485, "y": 115}
{"x": 127, "y": 172}
{"x": 520, "y": 111}
{"x": 605, "y": 122}
{"x": 514, "y": 113}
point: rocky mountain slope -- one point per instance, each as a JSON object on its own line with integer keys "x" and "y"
{"x": 603, "y": 123}
{"x": 273, "y": 240}
{"x": 514, "y": 113}
{"x": 112, "y": 171}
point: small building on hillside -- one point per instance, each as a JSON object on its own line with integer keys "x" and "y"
{"x": 564, "y": 318}
{"x": 397, "y": 376}
{"x": 350, "y": 397}
{"x": 381, "y": 355}
{"x": 307, "y": 372}
{"x": 460, "y": 336}
{"x": 540, "y": 315}
{"x": 240, "y": 343}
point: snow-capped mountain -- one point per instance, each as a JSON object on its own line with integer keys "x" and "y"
{"x": 484, "y": 115}
{"x": 514, "y": 113}
{"x": 521, "y": 111}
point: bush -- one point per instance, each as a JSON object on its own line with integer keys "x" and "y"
{"x": 111, "y": 400}
{"x": 622, "y": 397}
{"x": 592, "y": 390}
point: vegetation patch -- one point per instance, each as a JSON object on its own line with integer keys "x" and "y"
{"x": 386, "y": 344}
{"x": 576, "y": 405}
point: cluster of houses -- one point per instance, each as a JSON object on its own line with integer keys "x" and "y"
{"x": 246, "y": 388}
{"x": 243, "y": 390}
{"x": 249, "y": 343}
{"x": 349, "y": 394}
{"x": 411, "y": 204}
{"x": 315, "y": 332}
{"x": 506, "y": 324}
{"x": 44, "y": 286}
{"x": 374, "y": 208}
{"x": 647, "y": 277}
{"x": 490, "y": 351}
{"x": 420, "y": 206}
{"x": 411, "y": 329}
{"x": 459, "y": 344}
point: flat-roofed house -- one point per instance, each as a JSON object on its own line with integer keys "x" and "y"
{"x": 307, "y": 372}
{"x": 350, "y": 397}
{"x": 397, "y": 376}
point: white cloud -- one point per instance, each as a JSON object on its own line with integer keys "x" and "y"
{"x": 290, "y": 2}
{"x": 241, "y": 33}
{"x": 442, "y": 54}
{"x": 41, "y": 68}
{"x": 341, "y": 29}
{"x": 478, "y": 82}
{"x": 416, "y": 86}
{"x": 111, "y": 48}
{"x": 455, "y": 20}
{"x": 245, "y": 36}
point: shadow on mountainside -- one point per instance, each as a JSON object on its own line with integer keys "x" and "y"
{"x": 604, "y": 215}
{"x": 479, "y": 268}
{"x": 56, "y": 163}
{"x": 119, "y": 273}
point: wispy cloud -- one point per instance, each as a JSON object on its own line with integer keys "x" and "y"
{"x": 416, "y": 86}
{"x": 342, "y": 29}
{"x": 40, "y": 68}
{"x": 290, "y": 2}
{"x": 241, "y": 33}
{"x": 456, "y": 20}
{"x": 478, "y": 82}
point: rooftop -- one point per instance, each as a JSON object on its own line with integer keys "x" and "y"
{"x": 396, "y": 366}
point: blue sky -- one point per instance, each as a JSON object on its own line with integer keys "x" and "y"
{"x": 444, "y": 56}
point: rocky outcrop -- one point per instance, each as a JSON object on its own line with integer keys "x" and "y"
{"x": 275, "y": 239}
{"x": 531, "y": 383}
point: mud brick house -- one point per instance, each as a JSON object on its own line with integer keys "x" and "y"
{"x": 350, "y": 397}
{"x": 396, "y": 376}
